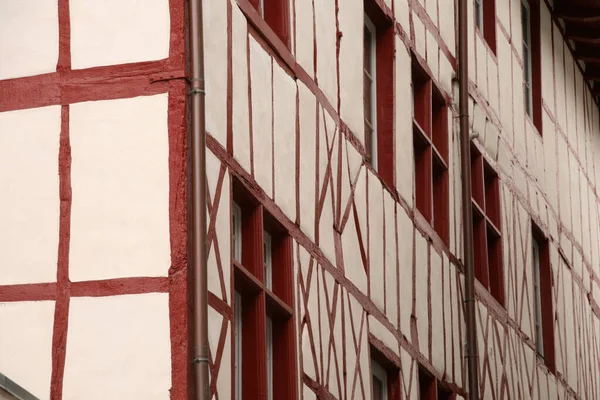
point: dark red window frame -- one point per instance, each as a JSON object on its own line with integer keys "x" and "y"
{"x": 430, "y": 141}
{"x": 392, "y": 373}
{"x": 384, "y": 91}
{"x": 431, "y": 389}
{"x": 487, "y": 234}
{"x": 546, "y": 294}
{"x": 276, "y": 14}
{"x": 488, "y": 14}
{"x": 258, "y": 302}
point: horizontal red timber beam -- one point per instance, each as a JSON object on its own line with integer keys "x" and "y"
{"x": 98, "y": 83}
{"x": 99, "y": 288}
{"x": 28, "y": 292}
{"x": 120, "y": 286}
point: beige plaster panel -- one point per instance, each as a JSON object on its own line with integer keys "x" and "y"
{"x": 119, "y": 346}
{"x": 351, "y": 66}
{"x": 28, "y": 37}
{"x": 120, "y": 188}
{"x": 403, "y": 124}
{"x": 240, "y": 105}
{"x": 102, "y": 32}
{"x": 376, "y": 234}
{"x": 29, "y": 215}
{"x": 326, "y": 48}
{"x": 307, "y": 121}
{"x": 391, "y": 252}
{"x": 215, "y": 61}
{"x": 405, "y": 231}
{"x": 304, "y": 30}
{"x": 284, "y": 135}
{"x": 262, "y": 114}
{"x": 26, "y": 340}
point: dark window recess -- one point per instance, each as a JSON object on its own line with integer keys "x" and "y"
{"x": 543, "y": 295}
{"x": 276, "y": 14}
{"x": 431, "y": 389}
{"x": 263, "y": 308}
{"x": 378, "y": 91}
{"x": 385, "y": 377}
{"x": 430, "y": 141}
{"x": 487, "y": 237}
{"x": 485, "y": 21}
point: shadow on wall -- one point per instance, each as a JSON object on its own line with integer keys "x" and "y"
{"x": 10, "y": 390}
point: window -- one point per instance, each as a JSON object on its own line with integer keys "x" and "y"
{"x": 378, "y": 95}
{"x": 264, "y": 359}
{"x": 431, "y": 389}
{"x": 487, "y": 238}
{"x": 276, "y": 15}
{"x": 385, "y": 377}
{"x": 532, "y": 70}
{"x": 485, "y": 21}
{"x": 542, "y": 287}
{"x": 379, "y": 381}
{"x": 369, "y": 95}
{"x": 430, "y": 140}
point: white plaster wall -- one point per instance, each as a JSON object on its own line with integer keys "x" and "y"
{"x": 305, "y": 47}
{"x": 404, "y": 153}
{"x": 284, "y": 140}
{"x": 26, "y": 345}
{"x": 307, "y": 116}
{"x": 351, "y": 66}
{"x": 262, "y": 114}
{"x": 30, "y": 202}
{"x": 28, "y": 37}
{"x": 120, "y": 186}
{"x": 215, "y": 61}
{"x": 376, "y": 241}
{"x": 118, "y": 347}
{"x": 240, "y": 105}
{"x": 326, "y": 48}
{"x": 107, "y": 32}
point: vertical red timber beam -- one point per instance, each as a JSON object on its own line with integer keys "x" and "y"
{"x": 197, "y": 215}
{"x": 61, "y": 311}
{"x": 465, "y": 160}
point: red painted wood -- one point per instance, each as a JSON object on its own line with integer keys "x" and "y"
{"x": 547, "y": 296}
{"x": 277, "y": 15}
{"x": 385, "y": 102}
{"x": 423, "y": 179}
{"x": 489, "y": 23}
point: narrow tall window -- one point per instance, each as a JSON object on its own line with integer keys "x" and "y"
{"x": 430, "y": 141}
{"x": 479, "y": 14}
{"x": 369, "y": 95}
{"x": 378, "y": 90}
{"x": 379, "y": 381}
{"x": 264, "y": 359}
{"x": 385, "y": 377}
{"x": 487, "y": 235}
{"x": 542, "y": 297}
{"x": 276, "y": 15}
{"x": 485, "y": 21}
{"x": 532, "y": 70}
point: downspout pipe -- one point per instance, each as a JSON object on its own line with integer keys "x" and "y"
{"x": 467, "y": 211}
{"x": 197, "y": 205}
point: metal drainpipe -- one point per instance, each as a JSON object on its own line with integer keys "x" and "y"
{"x": 465, "y": 151}
{"x": 197, "y": 206}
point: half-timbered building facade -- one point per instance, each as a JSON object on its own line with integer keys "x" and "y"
{"x": 334, "y": 233}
